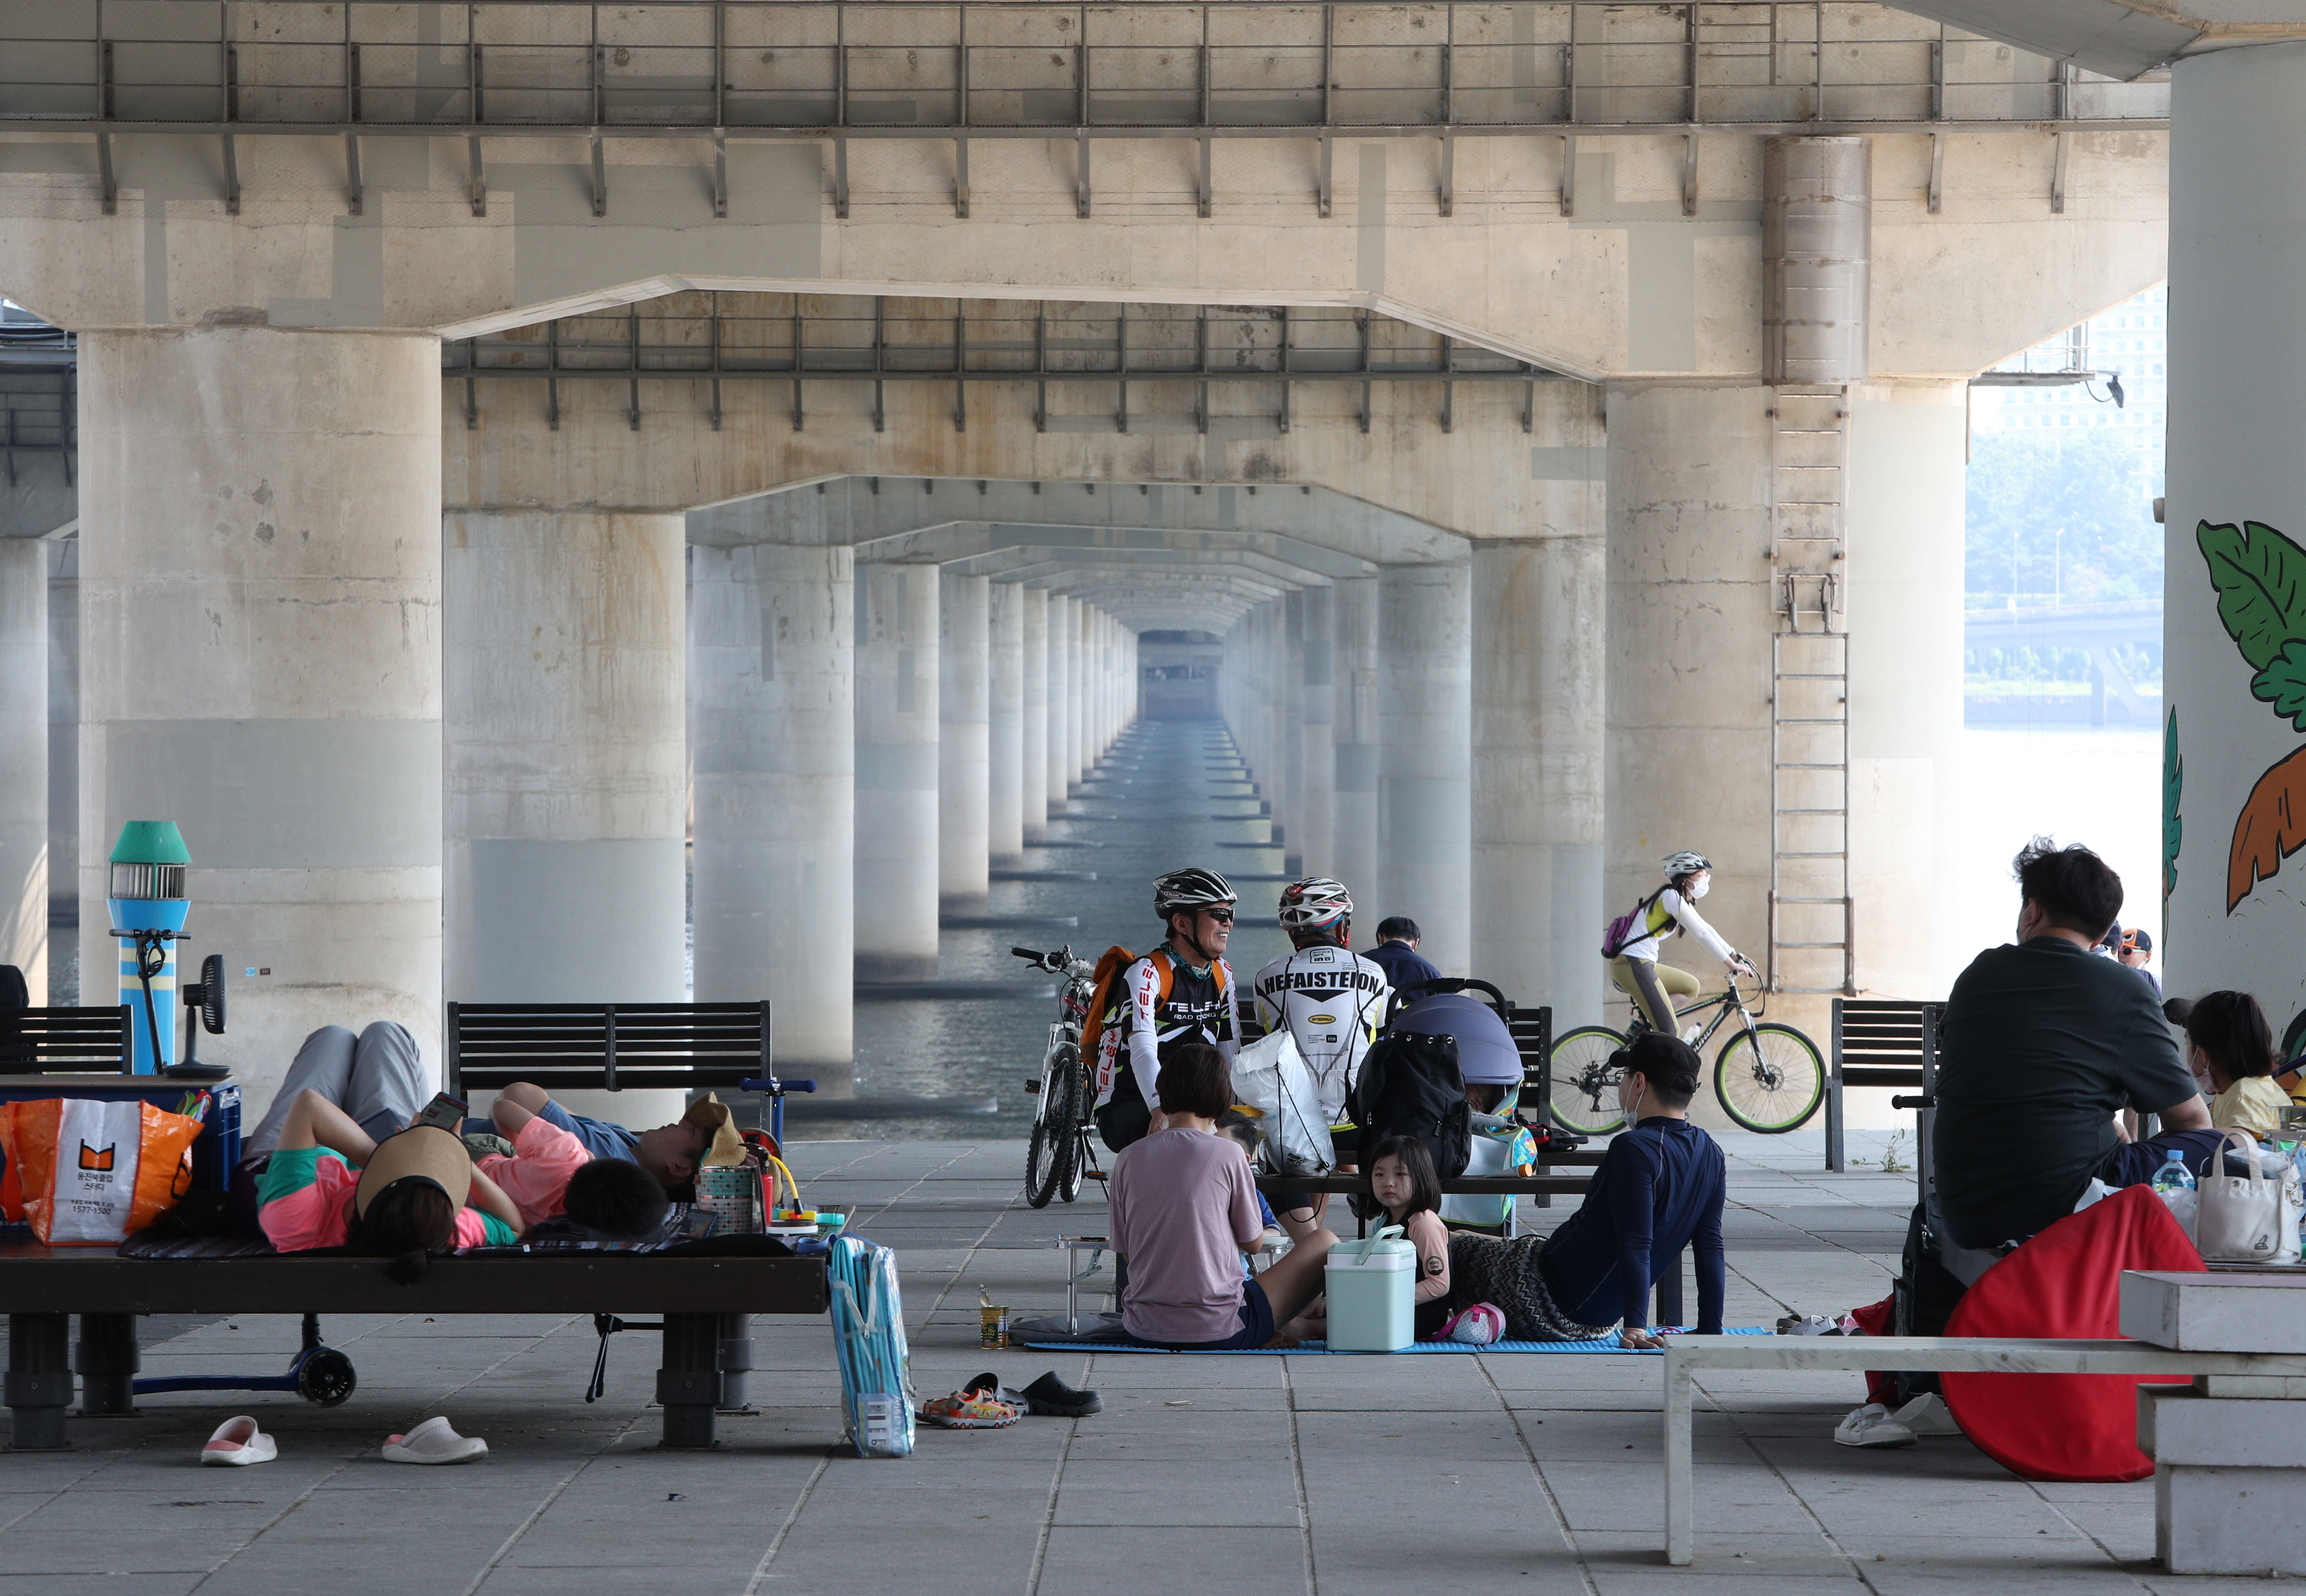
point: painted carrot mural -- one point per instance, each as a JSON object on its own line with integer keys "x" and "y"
{"x": 2261, "y": 577}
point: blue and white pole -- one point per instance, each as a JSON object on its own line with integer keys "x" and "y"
{"x": 148, "y": 906}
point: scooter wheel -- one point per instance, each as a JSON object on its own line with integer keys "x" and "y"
{"x": 325, "y": 1376}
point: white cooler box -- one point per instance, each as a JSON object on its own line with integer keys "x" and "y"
{"x": 1370, "y": 1283}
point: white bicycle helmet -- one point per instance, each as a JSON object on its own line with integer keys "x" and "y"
{"x": 1688, "y": 862}
{"x": 1190, "y": 888}
{"x": 1314, "y": 903}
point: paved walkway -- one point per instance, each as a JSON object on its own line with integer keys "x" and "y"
{"x": 1297, "y": 1475}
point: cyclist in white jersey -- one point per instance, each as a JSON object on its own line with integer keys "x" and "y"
{"x": 1332, "y": 999}
{"x": 1671, "y": 909}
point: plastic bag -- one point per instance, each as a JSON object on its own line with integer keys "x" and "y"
{"x": 90, "y": 1170}
{"x": 868, "y": 1339}
{"x": 1270, "y": 1075}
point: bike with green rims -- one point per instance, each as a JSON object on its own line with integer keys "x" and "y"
{"x": 1768, "y": 1077}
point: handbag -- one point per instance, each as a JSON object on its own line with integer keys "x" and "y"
{"x": 89, "y": 1170}
{"x": 2250, "y": 1218}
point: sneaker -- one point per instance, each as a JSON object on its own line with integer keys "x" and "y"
{"x": 1481, "y": 1325}
{"x": 1872, "y": 1426}
{"x": 969, "y": 1410}
{"x": 1807, "y": 1324}
{"x": 1926, "y": 1414}
{"x": 236, "y": 1443}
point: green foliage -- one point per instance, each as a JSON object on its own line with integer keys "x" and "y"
{"x": 2173, "y": 786}
{"x": 2069, "y": 515}
{"x": 2283, "y": 684}
{"x": 2260, "y": 577}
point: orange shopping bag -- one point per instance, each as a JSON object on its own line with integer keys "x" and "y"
{"x": 90, "y": 1170}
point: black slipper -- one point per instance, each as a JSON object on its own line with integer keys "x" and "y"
{"x": 1051, "y": 1398}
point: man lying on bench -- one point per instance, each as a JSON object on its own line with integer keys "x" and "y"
{"x": 380, "y": 1081}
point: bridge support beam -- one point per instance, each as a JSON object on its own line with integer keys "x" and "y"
{"x": 1424, "y": 672}
{"x": 897, "y": 756}
{"x": 24, "y": 774}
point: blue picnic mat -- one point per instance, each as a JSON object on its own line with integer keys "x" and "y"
{"x": 1317, "y": 1348}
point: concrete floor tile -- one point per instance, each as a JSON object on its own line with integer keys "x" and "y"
{"x": 1239, "y": 1562}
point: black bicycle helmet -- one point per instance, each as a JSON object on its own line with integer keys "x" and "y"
{"x": 1190, "y": 888}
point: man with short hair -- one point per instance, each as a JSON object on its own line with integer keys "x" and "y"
{"x": 1397, "y": 953}
{"x": 671, "y": 1153}
{"x": 1179, "y": 993}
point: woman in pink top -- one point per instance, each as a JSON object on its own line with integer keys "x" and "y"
{"x": 1184, "y": 1211}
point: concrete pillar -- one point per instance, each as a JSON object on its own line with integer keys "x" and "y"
{"x": 773, "y": 740}
{"x": 568, "y": 761}
{"x": 1315, "y": 835}
{"x": 1004, "y": 735}
{"x": 1033, "y": 746}
{"x": 566, "y": 764}
{"x": 1353, "y": 747}
{"x": 1537, "y": 765}
{"x": 24, "y": 760}
{"x": 896, "y": 772}
{"x": 963, "y": 740}
{"x": 1060, "y": 749}
{"x": 64, "y": 768}
{"x": 1425, "y": 661}
{"x": 260, "y": 518}
{"x": 1289, "y": 815}
{"x": 1076, "y": 695}
{"x": 1689, "y": 675}
{"x": 2235, "y": 772}
{"x": 1905, "y": 519}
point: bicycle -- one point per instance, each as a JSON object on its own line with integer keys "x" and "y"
{"x": 1058, "y": 1155}
{"x": 1768, "y": 1077}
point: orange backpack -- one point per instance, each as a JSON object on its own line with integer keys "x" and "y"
{"x": 1103, "y": 1010}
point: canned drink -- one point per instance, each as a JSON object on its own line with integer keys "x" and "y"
{"x": 992, "y": 1323}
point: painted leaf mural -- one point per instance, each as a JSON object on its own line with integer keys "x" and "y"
{"x": 2261, "y": 577}
{"x": 2173, "y": 786}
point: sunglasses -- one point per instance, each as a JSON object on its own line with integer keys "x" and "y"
{"x": 1223, "y": 917}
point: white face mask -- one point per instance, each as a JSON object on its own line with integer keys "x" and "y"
{"x": 1699, "y": 888}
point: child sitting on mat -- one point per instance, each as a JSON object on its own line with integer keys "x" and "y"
{"x": 1409, "y": 1193}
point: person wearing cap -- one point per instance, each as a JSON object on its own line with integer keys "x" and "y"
{"x": 330, "y": 1184}
{"x": 2136, "y": 950}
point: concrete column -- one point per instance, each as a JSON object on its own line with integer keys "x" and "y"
{"x": 24, "y": 760}
{"x": 2235, "y": 770}
{"x": 896, "y": 772}
{"x": 1060, "y": 749}
{"x": 1354, "y": 746}
{"x": 774, "y": 734}
{"x": 260, "y": 520}
{"x": 1033, "y": 746}
{"x": 1289, "y": 813}
{"x": 1004, "y": 737}
{"x": 64, "y": 767}
{"x": 1076, "y": 697}
{"x": 1689, "y": 675}
{"x": 1905, "y": 519}
{"x": 1424, "y": 660}
{"x": 568, "y": 762}
{"x": 1316, "y": 832}
{"x": 963, "y": 740}
{"x": 1537, "y": 764}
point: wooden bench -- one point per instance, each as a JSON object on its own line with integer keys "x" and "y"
{"x": 704, "y": 1303}
{"x": 1686, "y": 1355}
{"x": 617, "y": 1047}
{"x": 38, "y": 1041}
{"x": 1882, "y": 1043}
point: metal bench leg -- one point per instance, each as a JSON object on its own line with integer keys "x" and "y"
{"x": 689, "y": 1384}
{"x": 40, "y": 1383}
{"x": 735, "y": 1356}
{"x": 107, "y": 1361}
{"x": 1836, "y": 1159}
{"x": 1669, "y": 1296}
{"x": 1681, "y": 1534}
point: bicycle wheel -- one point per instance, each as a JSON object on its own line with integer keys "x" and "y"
{"x": 1050, "y": 1149}
{"x": 1584, "y": 1096}
{"x": 1770, "y": 1080}
{"x": 1069, "y": 1181}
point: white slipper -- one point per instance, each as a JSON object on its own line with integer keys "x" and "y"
{"x": 433, "y": 1441}
{"x": 236, "y": 1443}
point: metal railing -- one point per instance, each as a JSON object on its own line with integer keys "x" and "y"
{"x": 991, "y": 69}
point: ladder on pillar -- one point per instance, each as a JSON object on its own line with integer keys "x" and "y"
{"x": 1811, "y": 916}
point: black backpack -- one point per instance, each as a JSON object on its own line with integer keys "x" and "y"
{"x": 1410, "y": 1086}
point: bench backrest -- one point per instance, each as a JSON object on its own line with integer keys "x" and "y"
{"x": 1881, "y": 1042}
{"x": 607, "y": 1046}
{"x": 42, "y": 1041}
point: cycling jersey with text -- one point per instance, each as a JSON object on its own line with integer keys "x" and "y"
{"x": 1334, "y": 1001}
{"x": 1199, "y": 1007}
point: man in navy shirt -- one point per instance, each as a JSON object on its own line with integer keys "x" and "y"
{"x": 1397, "y": 953}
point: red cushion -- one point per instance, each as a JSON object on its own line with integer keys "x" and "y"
{"x": 2066, "y": 1283}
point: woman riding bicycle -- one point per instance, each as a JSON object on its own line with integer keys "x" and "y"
{"x": 1632, "y": 940}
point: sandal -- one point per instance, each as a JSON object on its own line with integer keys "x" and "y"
{"x": 969, "y": 1410}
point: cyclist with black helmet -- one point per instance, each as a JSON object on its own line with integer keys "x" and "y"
{"x": 1181, "y": 992}
{"x": 1635, "y": 940}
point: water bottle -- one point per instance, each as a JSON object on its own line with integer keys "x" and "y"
{"x": 2173, "y": 1176}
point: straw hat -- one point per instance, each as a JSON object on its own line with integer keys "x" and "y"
{"x": 424, "y": 1153}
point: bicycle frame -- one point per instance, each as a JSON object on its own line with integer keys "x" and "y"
{"x": 1723, "y": 1003}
